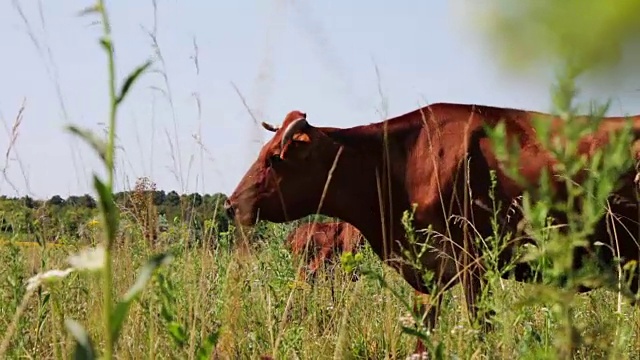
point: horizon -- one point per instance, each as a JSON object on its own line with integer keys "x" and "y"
{"x": 9, "y": 197}
{"x": 281, "y": 55}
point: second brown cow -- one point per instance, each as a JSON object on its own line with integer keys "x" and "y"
{"x": 321, "y": 243}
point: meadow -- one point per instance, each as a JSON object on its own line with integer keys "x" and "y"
{"x": 193, "y": 287}
{"x": 248, "y": 297}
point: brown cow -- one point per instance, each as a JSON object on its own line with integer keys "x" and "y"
{"x": 323, "y": 241}
{"x": 368, "y": 175}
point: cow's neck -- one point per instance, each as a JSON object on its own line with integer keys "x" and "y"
{"x": 366, "y": 216}
{"x": 360, "y": 205}
{"x": 364, "y": 185}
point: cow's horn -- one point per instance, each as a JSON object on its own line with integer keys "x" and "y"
{"x": 269, "y": 127}
{"x": 295, "y": 126}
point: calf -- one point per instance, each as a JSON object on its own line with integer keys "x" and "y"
{"x": 322, "y": 242}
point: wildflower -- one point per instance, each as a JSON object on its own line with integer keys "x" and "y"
{"x": 89, "y": 259}
{"x": 406, "y": 320}
{"x": 93, "y": 223}
{"x": 378, "y": 298}
{"x": 545, "y": 310}
{"x": 457, "y": 328}
{"x": 421, "y": 356}
{"x": 48, "y": 276}
{"x": 298, "y": 284}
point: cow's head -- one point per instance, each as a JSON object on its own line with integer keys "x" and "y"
{"x": 287, "y": 179}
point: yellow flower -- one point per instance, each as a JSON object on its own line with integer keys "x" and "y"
{"x": 93, "y": 223}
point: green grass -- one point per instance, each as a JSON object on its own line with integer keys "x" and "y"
{"x": 245, "y": 294}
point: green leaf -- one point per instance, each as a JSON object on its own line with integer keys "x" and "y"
{"x": 531, "y": 253}
{"x": 205, "y": 350}
{"x": 87, "y": 135}
{"x": 177, "y": 333}
{"x": 122, "y": 308}
{"x": 106, "y": 44}
{"x": 414, "y": 332}
{"x": 45, "y": 299}
{"x": 166, "y": 314}
{"x": 439, "y": 353}
{"x": 498, "y": 136}
{"x": 130, "y": 79}
{"x": 108, "y": 208}
{"x": 348, "y": 261}
{"x": 84, "y": 347}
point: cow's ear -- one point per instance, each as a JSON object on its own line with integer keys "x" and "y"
{"x": 297, "y": 145}
{"x": 301, "y": 137}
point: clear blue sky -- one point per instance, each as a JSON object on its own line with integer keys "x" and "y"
{"x": 317, "y": 57}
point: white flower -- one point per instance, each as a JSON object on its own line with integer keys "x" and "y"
{"x": 51, "y": 275}
{"x": 423, "y": 355}
{"x": 406, "y": 320}
{"x": 90, "y": 259}
{"x": 457, "y": 328}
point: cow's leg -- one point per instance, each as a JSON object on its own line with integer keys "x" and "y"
{"x": 311, "y": 274}
{"x": 307, "y": 271}
{"x": 429, "y": 314}
{"x": 315, "y": 264}
{"x": 331, "y": 276}
{"x": 355, "y": 275}
{"x": 305, "y": 275}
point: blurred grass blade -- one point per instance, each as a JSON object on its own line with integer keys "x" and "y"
{"x": 588, "y": 34}
{"x": 87, "y": 135}
{"x": 204, "y": 352}
{"x": 130, "y": 79}
{"x": 177, "y": 332}
{"x": 439, "y": 354}
{"x": 122, "y": 308}
{"x": 414, "y": 332}
{"x": 108, "y": 209}
{"x": 90, "y": 10}
{"x": 84, "y": 347}
{"x": 174, "y": 328}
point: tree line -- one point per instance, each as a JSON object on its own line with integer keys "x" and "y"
{"x": 145, "y": 210}
{"x": 70, "y": 217}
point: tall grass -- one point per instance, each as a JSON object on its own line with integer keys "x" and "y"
{"x": 216, "y": 300}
